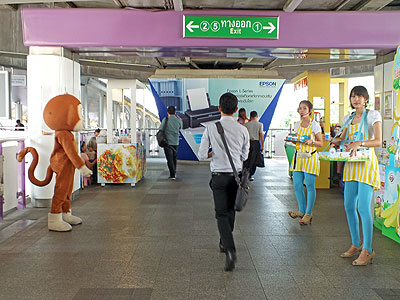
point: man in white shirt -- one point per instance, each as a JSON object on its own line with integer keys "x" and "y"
{"x": 223, "y": 182}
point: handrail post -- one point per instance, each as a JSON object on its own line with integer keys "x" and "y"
{"x": 21, "y": 196}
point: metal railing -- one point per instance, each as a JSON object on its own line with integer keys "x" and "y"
{"x": 20, "y": 194}
{"x": 274, "y": 142}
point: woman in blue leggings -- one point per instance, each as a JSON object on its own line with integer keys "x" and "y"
{"x": 361, "y": 178}
{"x": 305, "y": 164}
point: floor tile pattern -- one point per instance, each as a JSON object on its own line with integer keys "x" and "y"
{"x": 113, "y": 294}
{"x": 160, "y": 239}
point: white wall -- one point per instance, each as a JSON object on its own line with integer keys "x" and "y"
{"x": 48, "y": 76}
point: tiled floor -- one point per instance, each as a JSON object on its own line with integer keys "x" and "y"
{"x": 159, "y": 240}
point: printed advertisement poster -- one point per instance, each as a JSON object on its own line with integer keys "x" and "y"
{"x": 387, "y": 218}
{"x": 391, "y": 207}
{"x": 120, "y": 163}
{"x": 196, "y": 102}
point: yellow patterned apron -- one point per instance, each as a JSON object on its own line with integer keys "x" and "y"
{"x": 362, "y": 171}
{"x": 307, "y": 165}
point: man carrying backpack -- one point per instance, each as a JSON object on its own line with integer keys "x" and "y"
{"x": 174, "y": 125}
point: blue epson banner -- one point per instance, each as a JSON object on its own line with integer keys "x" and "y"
{"x": 196, "y": 102}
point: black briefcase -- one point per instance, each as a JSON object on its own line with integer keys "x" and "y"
{"x": 260, "y": 160}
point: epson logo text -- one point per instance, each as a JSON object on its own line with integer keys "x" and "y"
{"x": 267, "y": 83}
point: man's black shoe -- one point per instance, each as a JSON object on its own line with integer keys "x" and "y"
{"x": 230, "y": 260}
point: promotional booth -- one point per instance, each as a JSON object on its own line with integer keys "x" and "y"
{"x": 123, "y": 158}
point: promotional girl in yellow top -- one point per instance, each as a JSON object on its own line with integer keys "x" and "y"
{"x": 361, "y": 177}
{"x": 305, "y": 163}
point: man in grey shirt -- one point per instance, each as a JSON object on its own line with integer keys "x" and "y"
{"x": 174, "y": 125}
{"x": 256, "y": 132}
{"x": 223, "y": 182}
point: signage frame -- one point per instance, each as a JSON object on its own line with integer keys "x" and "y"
{"x": 191, "y": 30}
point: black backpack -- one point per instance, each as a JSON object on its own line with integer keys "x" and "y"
{"x": 162, "y": 137}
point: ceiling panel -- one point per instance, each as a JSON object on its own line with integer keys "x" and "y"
{"x": 319, "y": 5}
{"x": 95, "y": 4}
{"x": 208, "y": 4}
{"x": 259, "y": 4}
{"x": 144, "y": 3}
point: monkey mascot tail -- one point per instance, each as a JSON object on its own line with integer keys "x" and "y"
{"x": 31, "y": 171}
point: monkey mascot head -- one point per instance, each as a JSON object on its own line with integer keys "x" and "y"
{"x": 64, "y": 112}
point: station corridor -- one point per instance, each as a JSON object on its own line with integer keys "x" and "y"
{"x": 159, "y": 241}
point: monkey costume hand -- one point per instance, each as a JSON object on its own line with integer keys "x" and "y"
{"x": 85, "y": 171}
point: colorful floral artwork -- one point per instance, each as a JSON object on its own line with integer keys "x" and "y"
{"x": 120, "y": 163}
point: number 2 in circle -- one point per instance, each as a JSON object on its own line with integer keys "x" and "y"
{"x": 204, "y": 26}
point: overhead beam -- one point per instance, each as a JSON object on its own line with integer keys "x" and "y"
{"x": 10, "y": 2}
{"x": 268, "y": 65}
{"x": 71, "y": 4}
{"x": 342, "y": 4}
{"x": 190, "y": 62}
{"x": 117, "y": 65}
{"x": 291, "y": 5}
{"x": 371, "y": 5}
{"x": 312, "y": 30}
{"x": 118, "y": 3}
{"x": 160, "y": 62}
{"x": 12, "y": 6}
{"x": 178, "y": 5}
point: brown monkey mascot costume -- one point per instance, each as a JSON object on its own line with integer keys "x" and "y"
{"x": 63, "y": 114}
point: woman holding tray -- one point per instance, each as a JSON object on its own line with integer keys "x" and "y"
{"x": 361, "y": 177}
{"x": 305, "y": 164}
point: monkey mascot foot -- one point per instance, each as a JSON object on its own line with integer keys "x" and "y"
{"x": 62, "y": 221}
{"x": 56, "y": 223}
{"x": 70, "y": 219}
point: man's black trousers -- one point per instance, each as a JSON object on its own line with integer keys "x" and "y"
{"x": 171, "y": 153}
{"x": 254, "y": 152}
{"x": 224, "y": 189}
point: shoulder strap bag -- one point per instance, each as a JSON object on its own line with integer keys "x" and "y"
{"x": 162, "y": 137}
{"x": 243, "y": 181}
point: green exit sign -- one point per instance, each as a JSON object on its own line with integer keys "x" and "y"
{"x": 231, "y": 27}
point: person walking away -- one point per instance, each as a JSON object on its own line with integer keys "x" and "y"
{"x": 223, "y": 183}
{"x": 361, "y": 178}
{"x": 256, "y": 132}
{"x": 172, "y": 129}
{"x": 305, "y": 164}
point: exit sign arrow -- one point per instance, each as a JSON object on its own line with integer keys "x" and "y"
{"x": 190, "y": 26}
{"x": 271, "y": 27}
{"x": 231, "y": 27}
